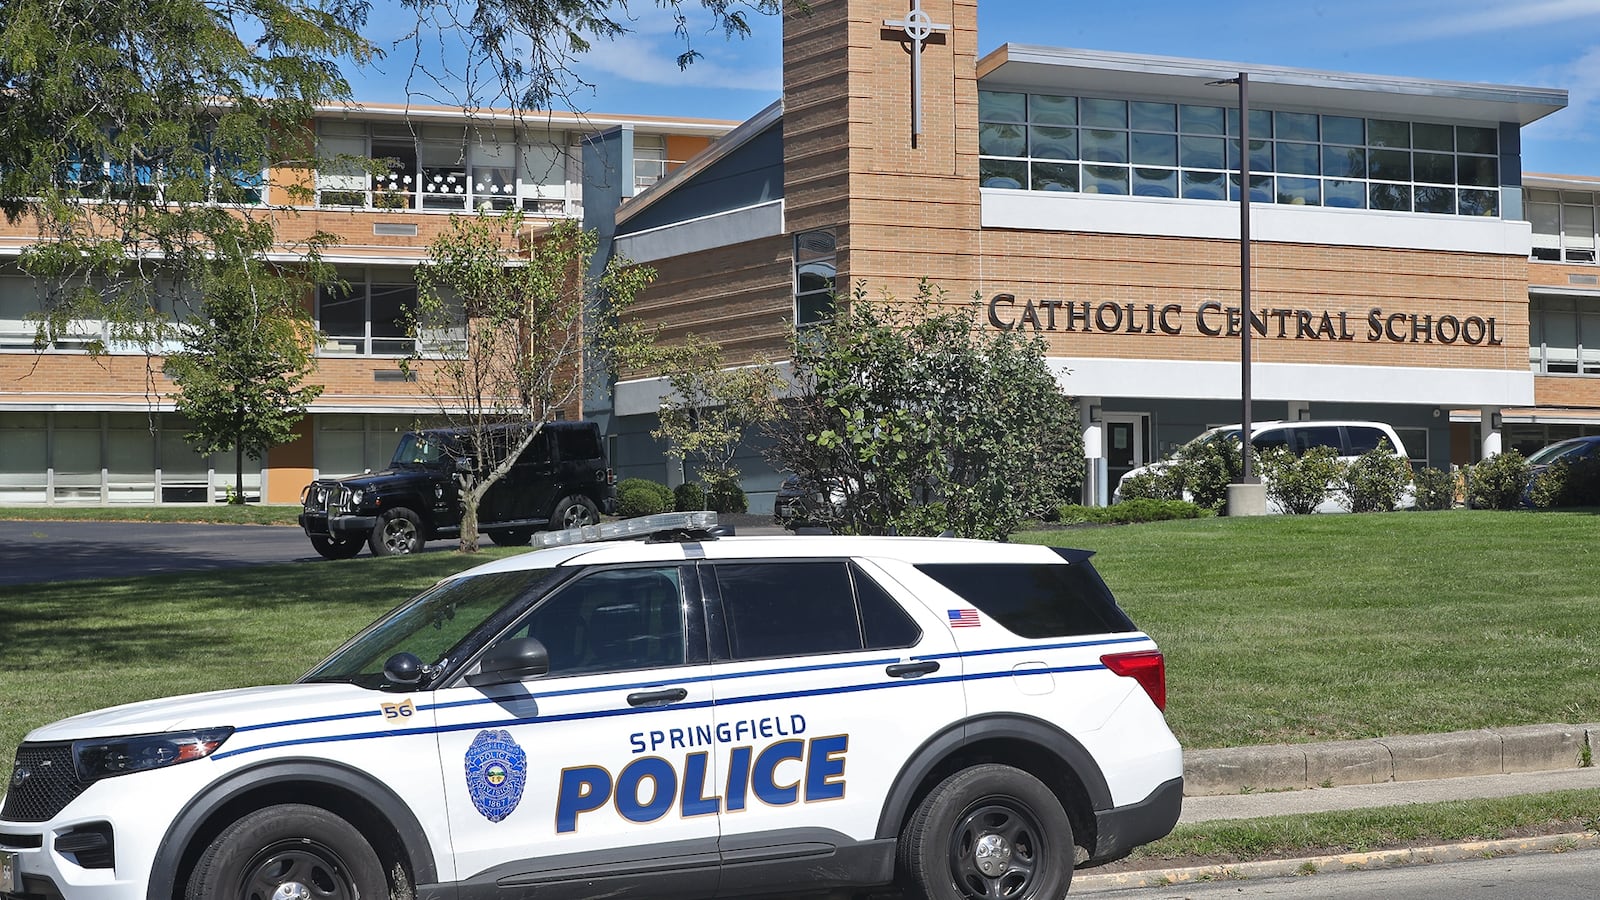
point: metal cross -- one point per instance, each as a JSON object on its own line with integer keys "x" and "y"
{"x": 918, "y": 27}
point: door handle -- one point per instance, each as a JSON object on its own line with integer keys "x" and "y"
{"x": 912, "y": 669}
{"x": 656, "y": 698}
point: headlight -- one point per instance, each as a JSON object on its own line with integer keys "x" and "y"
{"x": 355, "y": 497}
{"x": 120, "y": 756}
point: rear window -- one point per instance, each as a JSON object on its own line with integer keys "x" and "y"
{"x": 1040, "y": 600}
{"x": 577, "y": 443}
{"x": 1365, "y": 438}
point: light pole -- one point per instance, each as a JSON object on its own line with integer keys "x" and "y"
{"x": 1237, "y": 500}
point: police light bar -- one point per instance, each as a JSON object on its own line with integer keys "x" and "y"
{"x": 639, "y": 527}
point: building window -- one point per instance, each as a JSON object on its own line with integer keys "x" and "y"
{"x": 1563, "y": 225}
{"x": 1041, "y": 142}
{"x": 369, "y": 313}
{"x": 1563, "y": 336}
{"x": 443, "y": 168}
{"x": 815, "y": 272}
{"x": 649, "y": 160}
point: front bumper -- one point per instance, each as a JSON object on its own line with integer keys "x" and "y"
{"x": 320, "y": 524}
{"x": 1120, "y": 829}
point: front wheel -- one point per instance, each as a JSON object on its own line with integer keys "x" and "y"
{"x": 514, "y": 537}
{"x": 336, "y": 548}
{"x": 574, "y": 511}
{"x": 398, "y": 531}
{"x": 986, "y": 833}
{"x": 288, "y": 851}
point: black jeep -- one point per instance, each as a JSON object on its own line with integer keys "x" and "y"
{"x": 560, "y": 481}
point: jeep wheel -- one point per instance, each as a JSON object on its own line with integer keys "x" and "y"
{"x": 573, "y": 511}
{"x": 514, "y": 537}
{"x": 288, "y": 851}
{"x": 336, "y": 548}
{"x": 398, "y": 531}
{"x": 990, "y": 831}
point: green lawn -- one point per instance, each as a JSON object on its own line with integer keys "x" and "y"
{"x": 215, "y": 513}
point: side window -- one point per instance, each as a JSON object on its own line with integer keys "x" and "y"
{"x": 577, "y": 443}
{"x": 1364, "y": 439}
{"x": 884, "y": 625}
{"x": 1306, "y": 437}
{"x": 789, "y": 609}
{"x": 1272, "y": 437}
{"x": 1041, "y": 600}
{"x": 611, "y": 621}
{"x": 538, "y": 452}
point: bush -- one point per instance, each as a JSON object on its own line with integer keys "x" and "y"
{"x": 1299, "y": 484}
{"x": 1376, "y": 480}
{"x": 642, "y": 497}
{"x": 1436, "y": 488}
{"x": 688, "y": 497}
{"x": 724, "y": 495}
{"x": 1205, "y": 472}
{"x": 1567, "y": 484}
{"x": 1128, "y": 512}
{"x": 1159, "y": 483}
{"x": 1498, "y": 482}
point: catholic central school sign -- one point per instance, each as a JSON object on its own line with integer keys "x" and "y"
{"x": 1212, "y": 319}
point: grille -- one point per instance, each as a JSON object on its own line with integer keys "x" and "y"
{"x": 51, "y": 784}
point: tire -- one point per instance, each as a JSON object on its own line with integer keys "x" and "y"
{"x": 574, "y": 510}
{"x": 990, "y": 831}
{"x": 337, "y": 548}
{"x": 515, "y": 537}
{"x": 288, "y": 851}
{"x": 399, "y": 531}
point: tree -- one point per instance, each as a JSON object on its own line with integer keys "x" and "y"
{"x": 712, "y": 408}
{"x": 505, "y": 328}
{"x": 244, "y": 358}
{"x": 918, "y": 421}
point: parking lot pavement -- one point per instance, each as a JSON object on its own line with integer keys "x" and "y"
{"x": 32, "y": 552}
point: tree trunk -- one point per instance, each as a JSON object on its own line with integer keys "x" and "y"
{"x": 471, "y": 493}
{"x": 238, "y": 460}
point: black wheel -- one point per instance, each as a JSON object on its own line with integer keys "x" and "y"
{"x": 988, "y": 832}
{"x": 336, "y": 548}
{"x": 289, "y": 851}
{"x": 574, "y": 510}
{"x": 399, "y": 531}
{"x": 516, "y": 537}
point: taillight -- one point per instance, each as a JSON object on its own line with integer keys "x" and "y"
{"x": 1148, "y": 667}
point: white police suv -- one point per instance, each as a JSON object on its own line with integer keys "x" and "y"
{"x": 684, "y": 716}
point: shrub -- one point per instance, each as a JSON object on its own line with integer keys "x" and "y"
{"x": 1498, "y": 482}
{"x": 642, "y": 497}
{"x": 1436, "y": 488}
{"x": 688, "y": 497}
{"x": 1204, "y": 472}
{"x": 1376, "y": 480}
{"x": 1299, "y": 484}
{"x": 1158, "y": 483}
{"x": 1567, "y": 484}
{"x": 1128, "y": 512}
{"x": 725, "y": 495}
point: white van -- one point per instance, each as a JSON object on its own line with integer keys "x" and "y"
{"x": 1350, "y": 439}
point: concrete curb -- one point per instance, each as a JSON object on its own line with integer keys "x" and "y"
{"x": 1380, "y": 859}
{"x": 1488, "y": 751}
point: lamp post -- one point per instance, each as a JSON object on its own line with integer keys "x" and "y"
{"x": 1245, "y": 500}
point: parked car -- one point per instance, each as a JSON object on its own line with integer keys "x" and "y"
{"x": 1570, "y": 451}
{"x": 800, "y": 504}
{"x": 1350, "y": 439}
{"x": 561, "y": 480}
{"x": 682, "y": 716}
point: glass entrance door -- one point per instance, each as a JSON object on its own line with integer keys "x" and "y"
{"x": 1125, "y": 444}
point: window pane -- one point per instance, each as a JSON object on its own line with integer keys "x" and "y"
{"x": 1300, "y": 191}
{"x": 996, "y": 173}
{"x": 1435, "y": 168}
{"x": 1155, "y": 149}
{"x": 1105, "y": 180}
{"x": 1436, "y": 200}
{"x": 1299, "y": 159}
{"x": 392, "y": 308}
{"x": 788, "y": 609}
{"x": 883, "y": 622}
{"x": 1104, "y": 113}
{"x": 543, "y": 165}
{"x": 1390, "y": 165}
{"x": 1055, "y": 176}
{"x": 613, "y": 621}
{"x": 1260, "y": 123}
{"x": 1153, "y": 116}
{"x": 1434, "y": 137}
{"x": 1577, "y": 227}
{"x": 1035, "y": 601}
{"x": 1344, "y": 130}
{"x": 1295, "y": 126}
{"x": 1344, "y": 162}
{"x": 1480, "y": 203}
{"x": 1050, "y": 142}
{"x": 1472, "y": 139}
{"x": 1105, "y": 146}
{"x": 1388, "y": 133}
{"x": 1261, "y": 188}
{"x": 1390, "y": 196}
{"x": 1201, "y": 153}
{"x": 1260, "y": 155}
{"x": 1201, "y": 119}
{"x": 342, "y": 312}
{"x": 1202, "y": 185}
{"x": 995, "y": 106}
{"x": 1002, "y": 140}
{"x": 1345, "y": 194}
{"x": 1155, "y": 183}
{"x": 1044, "y": 109}
{"x": 1481, "y": 171}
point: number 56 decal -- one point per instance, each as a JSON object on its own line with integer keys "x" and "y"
{"x": 392, "y": 711}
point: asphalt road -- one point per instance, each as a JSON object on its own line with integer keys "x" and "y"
{"x": 64, "y": 551}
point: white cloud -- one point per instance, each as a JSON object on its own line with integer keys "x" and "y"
{"x": 648, "y": 55}
{"x": 1501, "y": 17}
{"x": 1580, "y": 121}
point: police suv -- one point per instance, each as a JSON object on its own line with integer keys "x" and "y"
{"x": 686, "y": 716}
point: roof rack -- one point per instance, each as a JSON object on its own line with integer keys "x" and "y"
{"x": 675, "y": 526}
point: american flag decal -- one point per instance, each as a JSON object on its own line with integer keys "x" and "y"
{"x": 964, "y": 618}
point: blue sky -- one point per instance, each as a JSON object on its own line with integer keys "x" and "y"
{"x": 1541, "y": 43}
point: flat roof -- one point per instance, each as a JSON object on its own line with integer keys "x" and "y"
{"x": 1169, "y": 78}
{"x": 528, "y": 118}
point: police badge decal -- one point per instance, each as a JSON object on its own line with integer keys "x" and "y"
{"x": 497, "y": 771}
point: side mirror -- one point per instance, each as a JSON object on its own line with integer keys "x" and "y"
{"x": 511, "y": 661}
{"x": 463, "y": 464}
{"x": 403, "y": 668}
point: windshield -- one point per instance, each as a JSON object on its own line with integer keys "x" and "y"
{"x": 1570, "y": 450}
{"x": 432, "y": 625}
{"x": 419, "y": 448}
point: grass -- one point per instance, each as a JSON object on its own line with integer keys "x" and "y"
{"x": 215, "y": 514}
{"x": 1362, "y": 830}
{"x": 1292, "y": 629}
